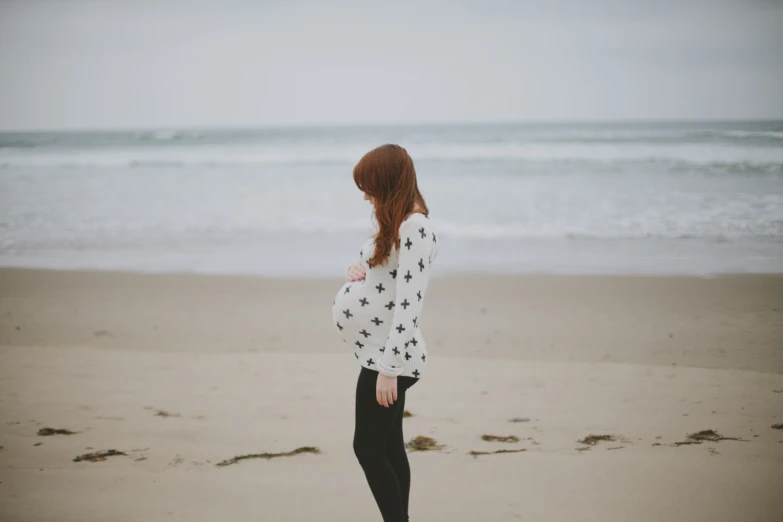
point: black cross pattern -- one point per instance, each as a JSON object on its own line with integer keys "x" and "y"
{"x": 373, "y": 307}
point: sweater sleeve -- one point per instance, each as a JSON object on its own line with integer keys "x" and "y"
{"x": 412, "y": 274}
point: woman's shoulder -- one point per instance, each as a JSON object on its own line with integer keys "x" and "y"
{"x": 416, "y": 217}
{"x": 418, "y": 223}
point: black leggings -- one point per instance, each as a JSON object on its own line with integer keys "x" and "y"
{"x": 379, "y": 445}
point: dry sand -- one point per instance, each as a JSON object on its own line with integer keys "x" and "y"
{"x": 181, "y": 372}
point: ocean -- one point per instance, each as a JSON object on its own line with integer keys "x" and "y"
{"x": 611, "y": 198}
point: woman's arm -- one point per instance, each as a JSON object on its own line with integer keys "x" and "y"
{"x": 412, "y": 274}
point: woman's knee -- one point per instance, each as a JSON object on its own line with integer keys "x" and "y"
{"x": 366, "y": 450}
{"x": 359, "y": 447}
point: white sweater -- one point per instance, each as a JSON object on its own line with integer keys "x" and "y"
{"x": 379, "y": 315}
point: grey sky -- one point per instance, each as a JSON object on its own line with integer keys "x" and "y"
{"x": 120, "y": 64}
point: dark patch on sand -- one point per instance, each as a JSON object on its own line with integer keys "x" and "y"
{"x": 592, "y": 440}
{"x": 98, "y": 455}
{"x": 777, "y": 426}
{"x": 234, "y": 460}
{"x": 705, "y": 436}
{"x": 476, "y": 453}
{"x": 500, "y": 438}
{"x": 45, "y": 432}
{"x": 162, "y": 413}
{"x": 422, "y": 443}
{"x": 406, "y": 413}
{"x": 176, "y": 461}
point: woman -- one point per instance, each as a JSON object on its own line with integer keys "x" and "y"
{"x": 377, "y": 313}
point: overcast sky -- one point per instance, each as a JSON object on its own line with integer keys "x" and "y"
{"x": 142, "y": 64}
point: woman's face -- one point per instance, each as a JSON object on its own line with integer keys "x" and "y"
{"x": 369, "y": 198}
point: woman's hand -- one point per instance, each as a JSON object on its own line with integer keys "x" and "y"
{"x": 356, "y": 271}
{"x": 386, "y": 390}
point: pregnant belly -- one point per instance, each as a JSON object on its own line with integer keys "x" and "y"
{"x": 361, "y": 313}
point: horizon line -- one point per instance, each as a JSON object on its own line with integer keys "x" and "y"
{"x": 421, "y": 123}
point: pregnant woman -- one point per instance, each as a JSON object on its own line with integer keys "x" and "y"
{"x": 377, "y": 312}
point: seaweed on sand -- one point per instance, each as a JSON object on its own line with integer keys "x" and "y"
{"x": 98, "y": 455}
{"x": 704, "y": 436}
{"x": 500, "y": 438}
{"x": 234, "y": 460}
{"x": 592, "y": 440}
{"x": 422, "y": 443}
{"x": 44, "y": 432}
{"x": 476, "y": 453}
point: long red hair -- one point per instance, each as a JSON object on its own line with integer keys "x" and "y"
{"x": 387, "y": 175}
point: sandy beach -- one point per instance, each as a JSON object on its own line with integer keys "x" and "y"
{"x": 182, "y": 372}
